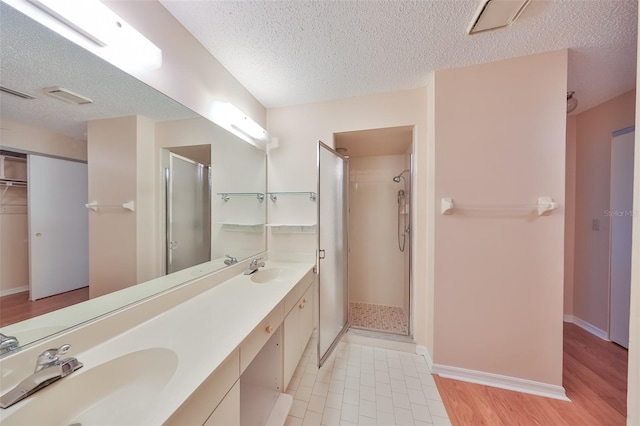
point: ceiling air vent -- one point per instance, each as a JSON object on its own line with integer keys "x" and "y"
{"x": 66, "y": 95}
{"x": 15, "y": 93}
{"x": 494, "y": 14}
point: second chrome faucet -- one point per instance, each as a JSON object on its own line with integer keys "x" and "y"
{"x": 254, "y": 266}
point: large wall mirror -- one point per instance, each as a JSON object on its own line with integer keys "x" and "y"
{"x": 171, "y": 196}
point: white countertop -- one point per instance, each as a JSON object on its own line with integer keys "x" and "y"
{"x": 202, "y": 332}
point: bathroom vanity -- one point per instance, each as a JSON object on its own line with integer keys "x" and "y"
{"x": 219, "y": 349}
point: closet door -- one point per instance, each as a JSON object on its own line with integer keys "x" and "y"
{"x": 58, "y": 226}
{"x": 622, "y": 150}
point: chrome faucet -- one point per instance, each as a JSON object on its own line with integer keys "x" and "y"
{"x": 8, "y": 344}
{"x": 49, "y": 368}
{"x": 254, "y": 265}
{"x": 230, "y": 260}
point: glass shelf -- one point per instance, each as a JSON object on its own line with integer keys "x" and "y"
{"x": 242, "y": 227}
{"x": 226, "y": 196}
{"x": 273, "y": 196}
{"x": 293, "y": 228}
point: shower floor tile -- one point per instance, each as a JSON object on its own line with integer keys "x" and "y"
{"x": 390, "y": 319}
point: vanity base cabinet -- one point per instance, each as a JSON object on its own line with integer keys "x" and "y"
{"x": 298, "y": 326}
{"x": 228, "y": 411}
{"x": 210, "y": 394}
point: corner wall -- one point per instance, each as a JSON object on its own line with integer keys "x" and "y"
{"x": 593, "y": 183}
{"x": 499, "y": 274}
{"x": 570, "y": 215}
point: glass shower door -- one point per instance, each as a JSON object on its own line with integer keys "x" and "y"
{"x": 332, "y": 249}
{"x": 188, "y": 213}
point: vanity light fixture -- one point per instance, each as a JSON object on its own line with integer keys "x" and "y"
{"x": 92, "y": 25}
{"x": 227, "y": 116}
{"x": 494, "y": 14}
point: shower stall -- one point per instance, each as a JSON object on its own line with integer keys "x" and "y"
{"x": 380, "y": 243}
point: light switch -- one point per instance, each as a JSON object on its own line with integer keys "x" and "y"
{"x": 595, "y": 224}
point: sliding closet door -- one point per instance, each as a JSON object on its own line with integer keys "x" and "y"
{"x": 332, "y": 249}
{"x": 58, "y": 226}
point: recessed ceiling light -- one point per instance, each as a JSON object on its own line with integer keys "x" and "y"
{"x": 493, "y": 14}
{"x": 66, "y": 95}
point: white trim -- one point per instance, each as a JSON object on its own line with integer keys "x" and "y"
{"x": 587, "y": 326}
{"x": 14, "y": 290}
{"x": 500, "y": 381}
{"x": 421, "y": 350}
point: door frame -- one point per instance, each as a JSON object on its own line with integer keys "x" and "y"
{"x": 322, "y": 358}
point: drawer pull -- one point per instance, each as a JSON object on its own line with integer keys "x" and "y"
{"x": 305, "y": 300}
{"x": 301, "y": 306}
{"x": 269, "y": 329}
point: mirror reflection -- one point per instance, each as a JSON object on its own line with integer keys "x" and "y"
{"x": 111, "y": 200}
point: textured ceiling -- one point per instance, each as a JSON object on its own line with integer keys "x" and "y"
{"x": 33, "y": 57}
{"x": 298, "y": 51}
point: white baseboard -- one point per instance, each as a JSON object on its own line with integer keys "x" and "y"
{"x": 500, "y": 381}
{"x": 587, "y": 326}
{"x": 421, "y": 350}
{"x": 14, "y": 290}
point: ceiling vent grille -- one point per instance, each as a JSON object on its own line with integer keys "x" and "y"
{"x": 66, "y": 95}
{"x": 15, "y": 93}
{"x": 494, "y": 14}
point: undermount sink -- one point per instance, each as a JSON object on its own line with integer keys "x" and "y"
{"x": 270, "y": 274}
{"x": 120, "y": 391}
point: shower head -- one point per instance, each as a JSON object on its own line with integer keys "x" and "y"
{"x": 396, "y": 179}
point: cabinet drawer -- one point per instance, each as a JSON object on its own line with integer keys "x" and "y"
{"x": 250, "y": 346}
{"x": 291, "y": 300}
{"x": 202, "y": 402}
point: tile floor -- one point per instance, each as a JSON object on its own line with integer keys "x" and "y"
{"x": 363, "y": 385}
{"x": 378, "y": 317}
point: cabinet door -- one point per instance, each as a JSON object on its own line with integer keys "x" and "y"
{"x": 228, "y": 411}
{"x": 306, "y": 318}
{"x": 291, "y": 353}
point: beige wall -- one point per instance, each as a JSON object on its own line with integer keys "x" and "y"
{"x": 376, "y": 265}
{"x": 189, "y": 73}
{"x": 499, "y": 275}
{"x": 14, "y": 243}
{"x": 26, "y": 138}
{"x": 292, "y": 166}
{"x": 112, "y": 181}
{"x": 633, "y": 383}
{"x": 569, "y": 215}
{"x": 593, "y": 170}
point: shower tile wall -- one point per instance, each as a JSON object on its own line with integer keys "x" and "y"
{"x": 377, "y": 269}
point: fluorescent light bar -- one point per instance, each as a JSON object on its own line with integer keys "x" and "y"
{"x": 227, "y": 116}
{"x": 92, "y": 25}
{"x": 494, "y": 14}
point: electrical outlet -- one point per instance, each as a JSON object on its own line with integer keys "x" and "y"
{"x": 595, "y": 224}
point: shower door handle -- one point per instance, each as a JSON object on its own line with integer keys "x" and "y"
{"x": 320, "y": 254}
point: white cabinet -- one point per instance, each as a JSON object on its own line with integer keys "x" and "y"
{"x": 228, "y": 411}
{"x": 210, "y": 395}
{"x": 298, "y": 326}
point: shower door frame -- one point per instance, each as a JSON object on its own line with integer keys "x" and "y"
{"x": 319, "y": 255}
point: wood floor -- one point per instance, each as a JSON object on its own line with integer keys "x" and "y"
{"x": 594, "y": 377}
{"x": 18, "y": 307}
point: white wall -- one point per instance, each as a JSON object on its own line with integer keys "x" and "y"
{"x": 377, "y": 273}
